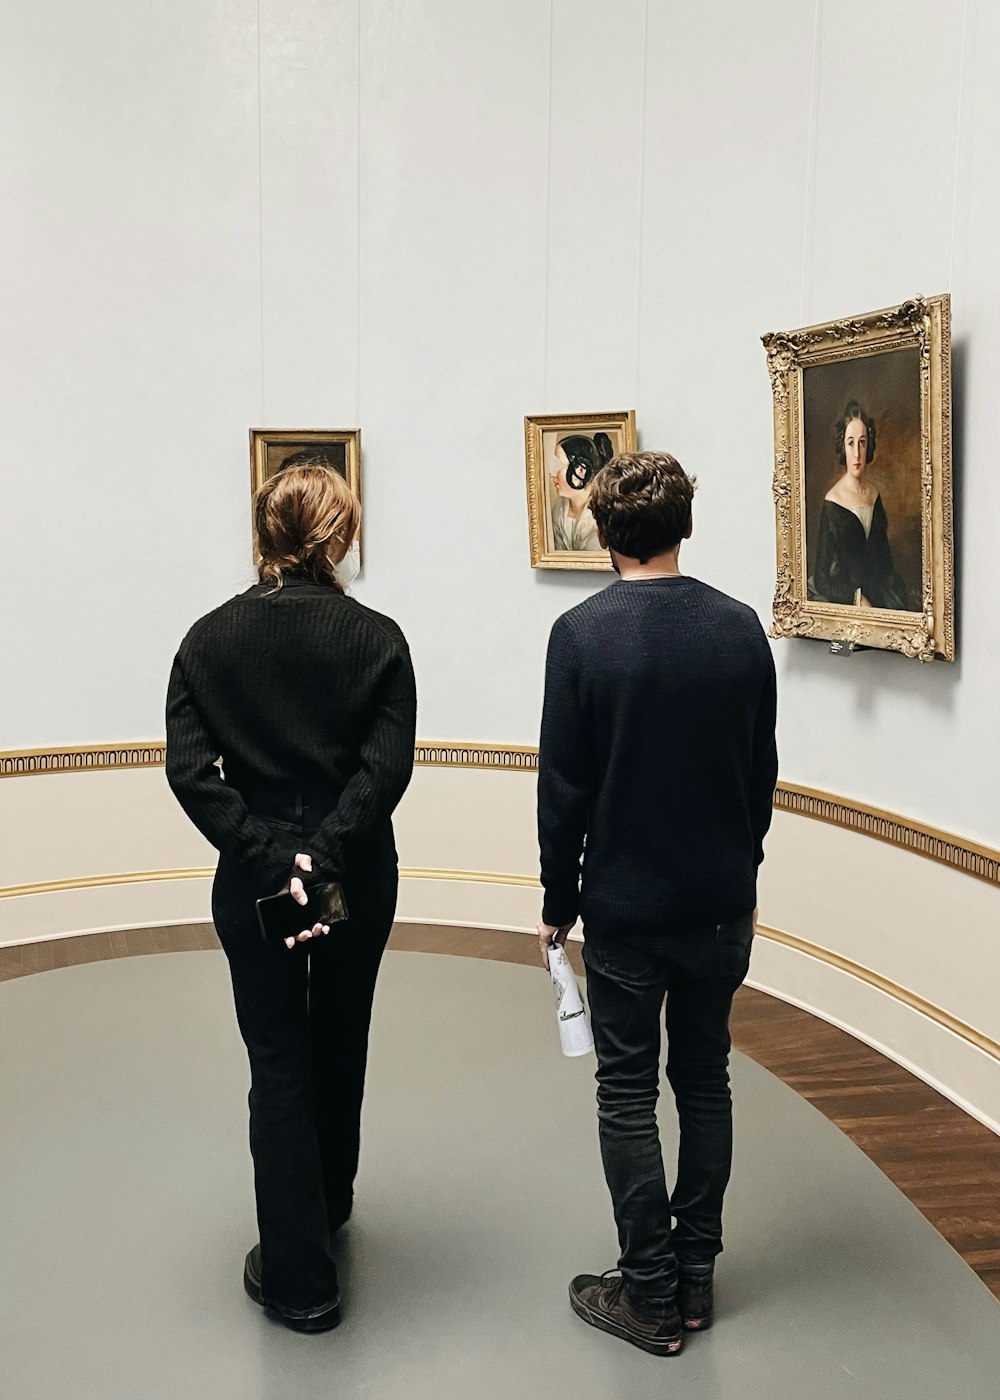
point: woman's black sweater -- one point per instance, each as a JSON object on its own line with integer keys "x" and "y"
{"x": 304, "y": 695}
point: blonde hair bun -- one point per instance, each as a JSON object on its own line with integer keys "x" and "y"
{"x": 305, "y": 519}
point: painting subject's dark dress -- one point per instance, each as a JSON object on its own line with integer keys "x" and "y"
{"x": 847, "y": 559}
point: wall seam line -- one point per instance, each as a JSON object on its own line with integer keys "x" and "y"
{"x": 260, "y": 213}
{"x": 548, "y": 214}
{"x": 958, "y": 145}
{"x": 641, "y": 209}
{"x": 810, "y": 156}
{"x": 358, "y": 259}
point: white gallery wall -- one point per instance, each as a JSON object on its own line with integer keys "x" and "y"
{"x": 427, "y": 220}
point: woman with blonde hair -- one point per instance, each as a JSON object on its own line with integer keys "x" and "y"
{"x": 308, "y": 700}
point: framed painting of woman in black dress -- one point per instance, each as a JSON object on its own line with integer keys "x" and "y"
{"x": 863, "y": 480}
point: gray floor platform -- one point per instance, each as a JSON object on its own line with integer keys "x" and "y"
{"x": 126, "y": 1209}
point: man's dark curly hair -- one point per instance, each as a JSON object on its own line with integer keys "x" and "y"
{"x": 641, "y": 502}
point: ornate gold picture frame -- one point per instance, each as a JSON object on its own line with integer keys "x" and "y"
{"x": 562, "y": 454}
{"x": 863, "y": 480}
{"x": 271, "y": 449}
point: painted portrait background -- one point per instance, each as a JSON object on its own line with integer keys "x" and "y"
{"x": 888, "y": 387}
{"x": 551, "y": 438}
{"x": 276, "y": 454}
{"x": 271, "y": 449}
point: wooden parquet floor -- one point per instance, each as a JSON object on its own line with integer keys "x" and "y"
{"x": 945, "y": 1162}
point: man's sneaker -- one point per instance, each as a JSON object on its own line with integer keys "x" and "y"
{"x": 694, "y": 1295}
{"x": 604, "y": 1303}
{"x": 314, "y": 1320}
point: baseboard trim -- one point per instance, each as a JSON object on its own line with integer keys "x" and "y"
{"x": 883, "y": 984}
{"x": 904, "y": 1061}
{"x": 869, "y": 976}
{"x": 104, "y": 928}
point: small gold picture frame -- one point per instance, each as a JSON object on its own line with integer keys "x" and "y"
{"x": 563, "y": 452}
{"x": 271, "y": 449}
{"x": 863, "y": 480}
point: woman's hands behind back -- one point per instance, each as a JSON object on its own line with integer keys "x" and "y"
{"x": 294, "y": 886}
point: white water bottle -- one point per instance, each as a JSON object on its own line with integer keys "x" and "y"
{"x": 575, "y": 1034}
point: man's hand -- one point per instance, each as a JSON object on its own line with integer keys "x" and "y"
{"x": 296, "y": 889}
{"x": 550, "y": 936}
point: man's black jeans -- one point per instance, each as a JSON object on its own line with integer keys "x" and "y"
{"x": 629, "y": 974}
{"x": 304, "y": 1016}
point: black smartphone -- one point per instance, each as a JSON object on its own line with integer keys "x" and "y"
{"x": 280, "y": 916}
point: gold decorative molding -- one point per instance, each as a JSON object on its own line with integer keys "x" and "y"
{"x": 883, "y": 984}
{"x": 89, "y": 758}
{"x": 97, "y": 882}
{"x": 84, "y": 758}
{"x": 508, "y": 757}
{"x": 205, "y": 872}
{"x": 958, "y": 852}
{"x": 969, "y": 857}
{"x": 475, "y": 877}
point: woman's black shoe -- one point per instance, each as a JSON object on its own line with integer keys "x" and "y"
{"x": 694, "y": 1295}
{"x": 315, "y": 1320}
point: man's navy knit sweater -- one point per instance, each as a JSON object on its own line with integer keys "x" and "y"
{"x": 657, "y": 761}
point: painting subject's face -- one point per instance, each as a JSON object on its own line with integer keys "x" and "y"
{"x": 562, "y": 486}
{"x": 855, "y": 447}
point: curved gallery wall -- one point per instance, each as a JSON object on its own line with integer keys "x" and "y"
{"x": 885, "y": 953}
{"x": 289, "y": 216}
{"x": 297, "y": 215}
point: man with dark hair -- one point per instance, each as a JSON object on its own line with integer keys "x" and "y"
{"x": 657, "y": 768}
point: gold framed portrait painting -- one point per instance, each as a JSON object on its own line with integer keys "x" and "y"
{"x": 271, "y": 449}
{"x": 563, "y": 453}
{"x": 863, "y": 480}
